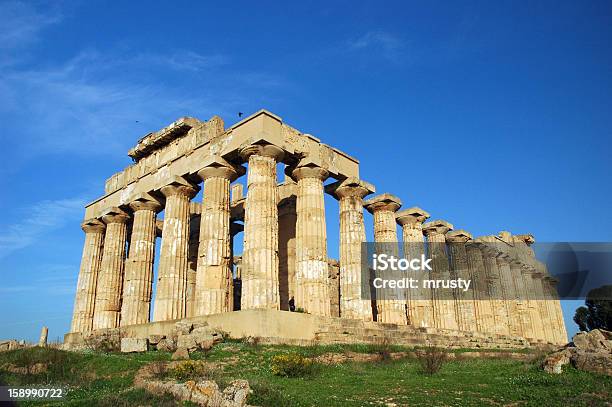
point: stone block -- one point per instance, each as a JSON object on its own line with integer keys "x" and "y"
{"x": 180, "y": 354}
{"x": 187, "y": 341}
{"x": 134, "y": 345}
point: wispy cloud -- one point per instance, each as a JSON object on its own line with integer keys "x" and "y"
{"x": 384, "y": 42}
{"x": 42, "y": 218}
{"x": 22, "y": 23}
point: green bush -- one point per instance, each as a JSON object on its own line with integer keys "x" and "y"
{"x": 292, "y": 365}
{"x": 190, "y": 370}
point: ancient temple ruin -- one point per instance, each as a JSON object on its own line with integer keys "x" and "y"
{"x": 284, "y": 257}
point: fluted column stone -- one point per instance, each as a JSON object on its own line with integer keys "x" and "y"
{"x": 138, "y": 280}
{"x": 444, "y": 307}
{"x": 311, "y": 267}
{"x": 391, "y": 303}
{"x": 499, "y": 302}
{"x": 513, "y": 305}
{"x": 465, "y": 310}
{"x": 287, "y": 220}
{"x": 482, "y": 289}
{"x": 350, "y": 193}
{"x": 214, "y": 275}
{"x": 107, "y": 311}
{"x": 260, "y": 253}
{"x": 171, "y": 295}
{"x": 84, "y": 303}
{"x": 419, "y": 300}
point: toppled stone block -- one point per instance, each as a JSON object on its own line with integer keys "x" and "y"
{"x": 180, "y": 354}
{"x": 554, "y": 362}
{"x": 595, "y": 362}
{"x": 187, "y": 341}
{"x": 166, "y": 345}
{"x": 593, "y": 341}
{"x": 155, "y": 339}
{"x": 134, "y": 345}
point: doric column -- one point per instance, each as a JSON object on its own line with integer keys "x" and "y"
{"x": 419, "y": 301}
{"x": 195, "y": 215}
{"x": 522, "y": 297}
{"x": 85, "y": 298}
{"x": 334, "y": 286}
{"x": 481, "y": 282}
{"x": 510, "y": 292}
{"x": 538, "y": 282}
{"x": 499, "y": 303}
{"x": 391, "y": 303}
{"x": 464, "y": 300}
{"x": 260, "y": 253}
{"x": 559, "y": 331}
{"x": 138, "y": 281}
{"x": 287, "y": 219}
{"x": 171, "y": 295}
{"x": 311, "y": 268}
{"x": 110, "y": 279}
{"x": 444, "y": 307}
{"x": 350, "y": 193}
{"x": 214, "y": 276}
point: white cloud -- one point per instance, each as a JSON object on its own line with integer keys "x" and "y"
{"x": 389, "y": 45}
{"x": 42, "y": 218}
{"x": 22, "y": 23}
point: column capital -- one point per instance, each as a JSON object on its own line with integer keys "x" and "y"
{"x": 411, "y": 216}
{"x": 114, "y": 215}
{"x": 265, "y": 150}
{"x": 458, "y": 236}
{"x": 526, "y": 238}
{"x": 179, "y": 186}
{"x": 383, "y": 202}
{"x": 311, "y": 171}
{"x": 93, "y": 225}
{"x": 217, "y": 167}
{"x": 350, "y": 187}
{"x": 145, "y": 201}
{"x": 436, "y": 227}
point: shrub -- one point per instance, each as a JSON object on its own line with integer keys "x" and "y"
{"x": 431, "y": 359}
{"x": 292, "y": 365}
{"x": 383, "y": 349}
{"x": 190, "y": 370}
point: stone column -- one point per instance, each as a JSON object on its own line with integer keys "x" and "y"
{"x": 444, "y": 307}
{"x": 44, "y": 334}
{"x": 510, "y": 294}
{"x": 499, "y": 302}
{"x": 110, "y": 279}
{"x": 554, "y": 306}
{"x": 138, "y": 280}
{"x": 350, "y": 193}
{"x": 311, "y": 268}
{"x": 419, "y": 301}
{"x": 85, "y": 298}
{"x": 391, "y": 303}
{"x": 334, "y": 287}
{"x": 260, "y": 253}
{"x": 171, "y": 295}
{"x": 464, "y": 300}
{"x": 287, "y": 219}
{"x": 482, "y": 288}
{"x": 214, "y": 275}
{"x": 522, "y": 297}
{"x": 195, "y": 216}
{"x": 538, "y": 282}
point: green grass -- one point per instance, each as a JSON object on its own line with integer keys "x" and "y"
{"x": 106, "y": 379}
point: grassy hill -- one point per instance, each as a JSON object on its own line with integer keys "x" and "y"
{"x": 107, "y": 379}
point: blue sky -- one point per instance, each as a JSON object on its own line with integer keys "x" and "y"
{"x": 490, "y": 115}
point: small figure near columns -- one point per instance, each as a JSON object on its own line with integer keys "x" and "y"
{"x": 444, "y": 307}
{"x": 171, "y": 296}
{"x": 350, "y": 193}
{"x": 419, "y": 301}
{"x": 311, "y": 268}
{"x": 390, "y": 303}
{"x": 214, "y": 275}
{"x": 110, "y": 279}
{"x": 260, "y": 252}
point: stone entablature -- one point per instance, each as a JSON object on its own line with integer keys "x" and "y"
{"x": 284, "y": 264}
